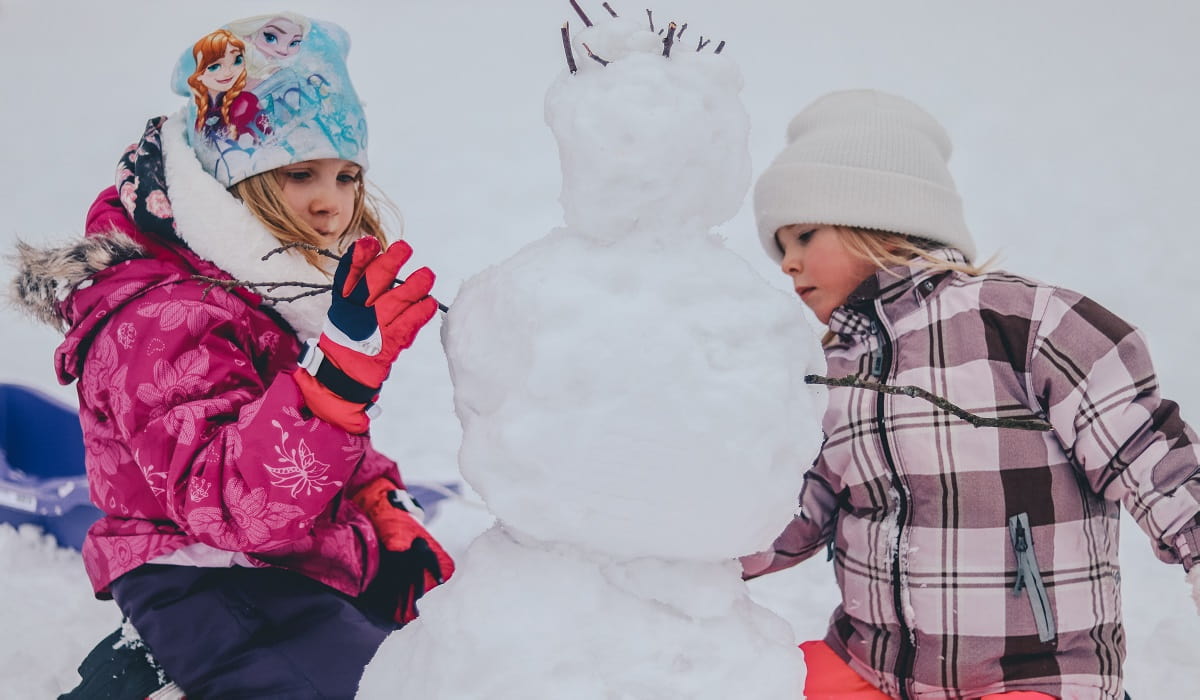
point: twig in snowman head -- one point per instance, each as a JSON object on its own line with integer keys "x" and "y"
{"x": 610, "y": 10}
{"x": 667, "y": 42}
{"x": 593, "y": 56}
{"x": 719, "y": 47}
{"x": 582, "y": 15}
{"x": 703, "y": 42}
{"x": 651, "y": 16}
{"x": 566, "y": 37}
{"x": 682, "y": 29}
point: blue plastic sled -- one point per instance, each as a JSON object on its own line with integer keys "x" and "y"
{"x": 42, "y": 477}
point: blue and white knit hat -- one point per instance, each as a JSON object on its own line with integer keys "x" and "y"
{"x": 268, "y": 91}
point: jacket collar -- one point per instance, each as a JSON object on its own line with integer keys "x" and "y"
{"x": 215, "y": 225}
{"x": 895, "y": 291}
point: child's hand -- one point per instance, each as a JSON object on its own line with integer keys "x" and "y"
{"x": 1193, "y": 578}
{"x": 370, "y": 321}
{"x": 368, "y": 324}
{"x": 754, "y": 564}
{"x": 411, "y": 560}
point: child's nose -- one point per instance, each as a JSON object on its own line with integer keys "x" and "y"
{"x": 793, "y": 263}
{"x": 324, "y": 201}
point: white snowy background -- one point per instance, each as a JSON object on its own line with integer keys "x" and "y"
{"x": 1074, "y": 126}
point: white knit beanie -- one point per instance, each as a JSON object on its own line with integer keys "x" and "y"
{"x": 866, "y": 159}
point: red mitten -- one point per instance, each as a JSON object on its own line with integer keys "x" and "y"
{"x": 411, "y": 560}
{"x": 369, "y": 322}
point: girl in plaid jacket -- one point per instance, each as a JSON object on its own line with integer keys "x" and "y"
{"x": 973, "y": 562}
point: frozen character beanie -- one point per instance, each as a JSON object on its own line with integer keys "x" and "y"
{"x": 269, "y": 91}
{"x": 865, "y": 159}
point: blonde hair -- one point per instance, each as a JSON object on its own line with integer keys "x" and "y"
{"x": 886, "y": 249}
{"x": 262, "y": 195}
{"x": 210, "y": 49}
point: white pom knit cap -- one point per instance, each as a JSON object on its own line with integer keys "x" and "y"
{"x": 866, "y": 159}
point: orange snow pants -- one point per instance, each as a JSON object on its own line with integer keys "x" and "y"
{"x": 830, "y": 678}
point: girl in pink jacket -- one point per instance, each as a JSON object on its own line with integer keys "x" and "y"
{"x": 254, "y": 538}
{"x": 972, "y": 561}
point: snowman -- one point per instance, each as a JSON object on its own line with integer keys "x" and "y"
{"x": 633, "y": 406}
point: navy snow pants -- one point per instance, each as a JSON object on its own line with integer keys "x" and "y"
{"x": 250, "y": 633}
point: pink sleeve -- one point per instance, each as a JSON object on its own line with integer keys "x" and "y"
{"x": 236, "y": 462}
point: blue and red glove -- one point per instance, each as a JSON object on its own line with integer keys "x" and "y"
{"x": 369, "y": 322}
{"x": 411, "y": 561}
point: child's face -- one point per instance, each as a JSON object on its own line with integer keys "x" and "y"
{"x": 219, "y": 75}
{"x": 823, "y": 270}
{"x": 322, "y": 192}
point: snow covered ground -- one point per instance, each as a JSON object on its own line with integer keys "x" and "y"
{"x": 1073, "y": 123}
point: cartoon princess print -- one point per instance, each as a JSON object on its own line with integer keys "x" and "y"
{"x": 225, "y": 108}
{"x": 272, "y": 41}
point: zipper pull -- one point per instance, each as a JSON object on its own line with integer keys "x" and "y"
{"x": 830, "y": 546}
{"x": 877, "y": 356}
{"x": 1021, "y": 546}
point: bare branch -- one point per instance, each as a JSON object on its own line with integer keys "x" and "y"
{"x": 266, "y": 289}
{"x": 916, "y": 392}
{"x": 593, "y": 56}
{"x": 681, "y": 31}
{"x": 566, "y": 38}
{"x": 579, "y": 10}
{"x": 703, "y": 42}
{"x": 667, "y": 42}
{"x": 610, "y": 10}
{"x": 719, "y": 47}
{"x": 651, "y": 16}
{"x": 306, "y": 246}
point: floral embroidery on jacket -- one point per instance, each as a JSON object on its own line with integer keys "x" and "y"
{"x": 251, "y": 519}
{"x": 302, "y": 472}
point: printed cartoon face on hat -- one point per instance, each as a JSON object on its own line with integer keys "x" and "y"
{"x": 220, "y": 75}
{"x": 280, "y": 37}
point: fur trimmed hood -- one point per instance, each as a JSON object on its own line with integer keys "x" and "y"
{"x": 46, "y": 277}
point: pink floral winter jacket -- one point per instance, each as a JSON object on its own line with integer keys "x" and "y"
{"x": 194, "y": 428}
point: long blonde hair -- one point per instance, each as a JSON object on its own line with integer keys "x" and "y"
{"x": 262, "y": 195}
{"x": 210, "y": 49}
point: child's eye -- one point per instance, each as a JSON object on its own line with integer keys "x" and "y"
{"x": 806, "y": 236}
{"x": 297, "y": 175}
{"x": 348, "y": 177}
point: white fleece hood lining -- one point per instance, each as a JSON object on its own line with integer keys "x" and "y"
{"x": 216, "y": 226}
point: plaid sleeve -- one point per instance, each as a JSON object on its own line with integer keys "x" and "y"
{"x": 1091, "y": 374}
{"x": 810, "y": 529}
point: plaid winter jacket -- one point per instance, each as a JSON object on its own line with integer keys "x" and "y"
{"x": 983, "y": 560}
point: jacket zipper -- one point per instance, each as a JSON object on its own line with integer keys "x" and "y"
{"x": 880, "y": 366}
{"x": 1029, "y": 576}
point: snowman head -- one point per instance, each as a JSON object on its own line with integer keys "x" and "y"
{"x": 651, "y": 132}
